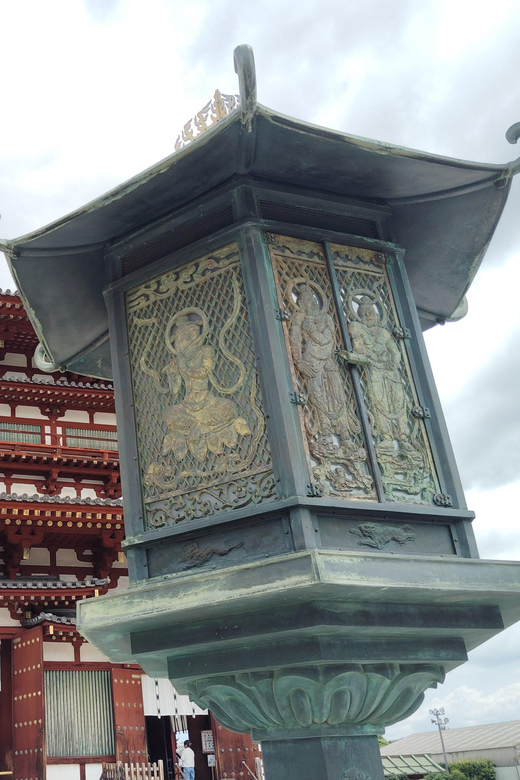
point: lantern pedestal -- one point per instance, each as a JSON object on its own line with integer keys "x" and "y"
{"x": 313, "y": 653}
{"x": 323, "y": 758}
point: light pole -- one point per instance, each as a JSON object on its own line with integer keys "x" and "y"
{"x": 441, "y": 725}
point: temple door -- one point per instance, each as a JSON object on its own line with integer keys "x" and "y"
{"x": 232, "y": 751}
{"x": 130, "y": 731}
{"x": 28, "y": 706}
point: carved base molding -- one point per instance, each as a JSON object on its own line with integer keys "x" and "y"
{"x": 321, "y": 700}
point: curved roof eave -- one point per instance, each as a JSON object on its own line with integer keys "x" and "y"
{"x": 425, "y": 193}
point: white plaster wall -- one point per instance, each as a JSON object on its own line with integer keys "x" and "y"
{"x": 104, "y": 418}
{"x": 5, "y": 410}
{"x": 58, "y": 651}
{"x": 68, "y": 558}
{"x": 92, "y": 771}
{"x": 13, "y": 359}
{"x": 31, "y": 488}
{"x": 6, "y": 619}
{"x": 90, "y": 654}
{"x": 88, "y": 492}
{"x": 64, "y": 772}
{"x": 20, "y": 488}
{"x": 74, "y": 415}
{"x": 30, "y": 411}
{"x": 39, "y": 556}
{"x": 67, "y": 491}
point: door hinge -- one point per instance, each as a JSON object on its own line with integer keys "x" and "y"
{"x": 282, "y": 314}
{"x": 443, "y": 499}
{"x": 421, "y": 411}
{"x": 402, "y": 333}
{"x": 298, "y": 398}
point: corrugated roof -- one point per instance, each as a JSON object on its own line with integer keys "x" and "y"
{"x": 409, "y": 765}
{"x": 470, "y": 738}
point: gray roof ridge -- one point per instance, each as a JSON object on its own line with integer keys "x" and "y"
{"x": 44, "y": 499}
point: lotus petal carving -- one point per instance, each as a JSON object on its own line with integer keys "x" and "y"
{"x": 328, "y": 695}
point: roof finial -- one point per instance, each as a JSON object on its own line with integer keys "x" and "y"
{"x": 245, "y": 68}
{"x": 513, "y": 134}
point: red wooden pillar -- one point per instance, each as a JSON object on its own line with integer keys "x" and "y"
{"x": 28, "y": 705}
{"x": 6, "y": 705}
{"x": 130, "y": 731}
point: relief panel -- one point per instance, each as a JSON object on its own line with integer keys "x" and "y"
{"x": 220, "y": 548}
{"x": 396, "y": 536}
{"x": 331, "y": 426}
{"x": 200, "y": 425}
{"x": 396, "y": 418}
{"x": 321, "y": 365}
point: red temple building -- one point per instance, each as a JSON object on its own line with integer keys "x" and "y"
{"x": 64, "y": 708}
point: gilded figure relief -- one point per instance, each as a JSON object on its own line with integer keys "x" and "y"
{"x": 325, "y": 367}
{"x": 377, "y": 350}
{"x": 201, "y": 429}
{"x": 203, "y": 420}
{"x": 399, "y": 439}
{"x": 314, "y": 349}
{"x": 332, "y": 430}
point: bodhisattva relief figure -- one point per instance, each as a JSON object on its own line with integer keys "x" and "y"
{"x": 314, "y": 346}
{"x": 202, "y": 421}
{"x": 377, "y": 351}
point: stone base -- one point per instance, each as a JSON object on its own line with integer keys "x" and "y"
{"x": 323, "y": 758}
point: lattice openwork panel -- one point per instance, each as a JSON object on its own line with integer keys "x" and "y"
{"x": 330, "y": 422}
{"x": 201, "y": 430}
{"x": 396, "y": 418}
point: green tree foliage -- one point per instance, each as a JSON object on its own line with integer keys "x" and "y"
{"x": 470, "y": 769}
{"x": 473, "y": 769}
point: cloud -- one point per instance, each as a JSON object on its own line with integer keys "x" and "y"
{"x": 100, "y": 89}
{"x": 101, "y": 10}
{"x": 464, "y": 706}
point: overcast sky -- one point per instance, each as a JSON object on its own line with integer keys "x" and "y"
{"x": 93, "y": 91}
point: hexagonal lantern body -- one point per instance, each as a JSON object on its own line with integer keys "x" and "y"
{"x": 301, "y": 556}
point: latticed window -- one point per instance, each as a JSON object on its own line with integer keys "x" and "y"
{"x": 25, "y": 434}
{"x": 78, "y": 713}
{"x": 97, "y": 439}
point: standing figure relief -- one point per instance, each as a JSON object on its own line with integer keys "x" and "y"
{"x": 331, "y": 425}
{"x": 203, "y": 420}
{"x": 400, "y": 448}
{"x": 377, "y": 350}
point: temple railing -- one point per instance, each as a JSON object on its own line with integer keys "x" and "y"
{"x": 75, "y": 435}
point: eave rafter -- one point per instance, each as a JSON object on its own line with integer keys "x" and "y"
{"x": 60, "y": 394}
{"x": 50, "y": 603}
{"x": 53, "y": 463}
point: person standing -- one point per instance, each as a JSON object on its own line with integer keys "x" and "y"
{"x": 187, "y": 761}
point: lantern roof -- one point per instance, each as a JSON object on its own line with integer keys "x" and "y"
{"x": 444, "y": 212}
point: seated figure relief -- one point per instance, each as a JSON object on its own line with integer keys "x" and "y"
{"x": 202, "y": 421}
